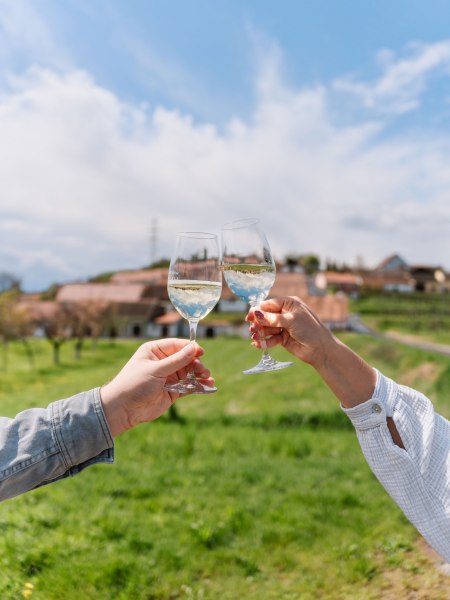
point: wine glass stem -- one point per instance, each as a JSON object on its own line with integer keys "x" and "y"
{"x": 265, "y": 352}
{"x": 192, "y": 337}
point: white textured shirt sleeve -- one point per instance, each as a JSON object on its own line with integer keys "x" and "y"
{"x": 417, "y": 478}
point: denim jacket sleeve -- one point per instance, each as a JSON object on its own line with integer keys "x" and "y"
{"x": 418, "y": 477}
{"x": 41, "y": 445}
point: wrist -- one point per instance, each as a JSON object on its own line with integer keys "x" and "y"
{"x": 113, "y": 410}
{"x": 322, "y": 351}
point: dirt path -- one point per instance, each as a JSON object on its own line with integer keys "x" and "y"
{"x": 416, "y": 342}
{"x": 427, "y": 579}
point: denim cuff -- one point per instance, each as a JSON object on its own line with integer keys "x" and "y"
{"x": 81, "y": 430}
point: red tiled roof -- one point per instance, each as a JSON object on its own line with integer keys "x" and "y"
{"x": 336, "y": 278}
{"x": 147, "y": 276}
{"x": 168, "y": 319}
{"x": 329, "y": 308}
{"x": 109, "y": 292}
{"x": 286, "y": 284}
{"x": 377, "y": 280}
{"x": 290, "y": 284}
{"x": 40, "y": 310}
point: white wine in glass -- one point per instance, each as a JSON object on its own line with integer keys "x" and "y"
{"x": 249, "y": 270}
{"x": 194, "y": 286}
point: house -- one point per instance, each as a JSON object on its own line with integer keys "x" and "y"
{"x": 393, "y": 263}
{"x": 136, "y": 304}
{"x": 131, "y": 306}
{"x": 290, "y": 283}
{"x": 348, "y": 283}
{"x": 332, "y": 309}
{"x": 155, "y": 280}
{"x": 172, "y": 324}
{"x": 393, "y": 274}
{"x": 430, "y": 278}
{"x": 169, "y": 324}
{"x": 395, "y": 281}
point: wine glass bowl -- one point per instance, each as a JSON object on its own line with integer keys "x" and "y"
{"x": 194, "y": 286}
{"x": 249, "y": 271}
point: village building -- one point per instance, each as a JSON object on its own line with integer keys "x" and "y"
{"x": 131, "y": 306}
{"x": 136, "y": 303}
{"x": 394, "y": 274}
{"x": 333, "y": 281}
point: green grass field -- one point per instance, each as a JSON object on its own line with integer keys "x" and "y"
{"x": 260, "y": 493}
{"x": 420, "y": 314}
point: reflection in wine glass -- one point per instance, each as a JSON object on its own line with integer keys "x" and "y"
{"x": 249, "y": 270}
{"x": 194, "y": 286}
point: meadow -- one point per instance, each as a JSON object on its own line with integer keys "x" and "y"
{"x": 259, "y": 491}
{"x": 424, "y": 315}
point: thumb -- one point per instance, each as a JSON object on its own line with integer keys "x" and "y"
{"x": 178, "y": 360}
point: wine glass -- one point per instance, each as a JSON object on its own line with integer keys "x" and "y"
{"x": 249, "y": 270}
{"x": 194, "y": 286}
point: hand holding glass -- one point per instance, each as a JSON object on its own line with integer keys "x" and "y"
{"x": 194, "y": 287}
{"x": 249, "y": 270}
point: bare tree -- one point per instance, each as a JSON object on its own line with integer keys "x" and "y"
{"x": 96, "y": 314}
{"x": 15, "y": 323}
{"x": 7, "y": 329}
{"x": 86, "y": 320}
{"x": 23, "y": 324}
{"x": 57, "y": 329}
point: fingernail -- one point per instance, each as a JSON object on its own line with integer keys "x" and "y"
{"x": 259, "y": 314}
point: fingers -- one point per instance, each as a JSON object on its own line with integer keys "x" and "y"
{"x": 175, "y": 362}
{"x": 201, "y": 373}
{"x": 264, "y": 331}
{"x": 169, "y": 346}
{"x": 275, "y": 312}
{"x": 269, "y": 342}
{"x": 200, "y": 370}
{"x": 270, "y": 320}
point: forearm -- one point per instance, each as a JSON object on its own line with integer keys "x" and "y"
{"x": 352, "y": 380}
{"x": 43, "y": 445}
{"x": 349, "y": 377}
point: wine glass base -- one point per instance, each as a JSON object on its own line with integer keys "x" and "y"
{"x": 267, "y": 364}
{"x": 190, "y": 386}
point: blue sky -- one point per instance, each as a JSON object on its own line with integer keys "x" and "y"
{"x": 328, "y": 119}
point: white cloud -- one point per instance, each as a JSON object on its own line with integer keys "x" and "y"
{"x": 399, "y": 88}
{"x": 83, "y": 174}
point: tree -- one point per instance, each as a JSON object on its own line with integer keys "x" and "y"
{"x": 9, "y": 282}
{"x": 332, "y": 265}
{"x": 158, "y": 264}
{"x": 23, "y": 324}
{"x": 50, "y": 292}
{"x": 309, "y": 263}
{"x": 7, "y": 330}
{"x": 57, "y": 329}
{"x": 97, "y": 313}
{"x": 15, "y": 323}
{"x": 87, "y": 318}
